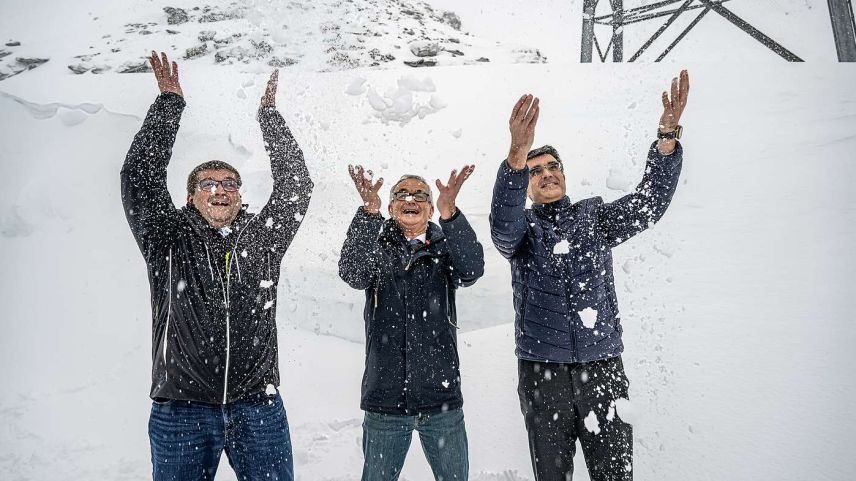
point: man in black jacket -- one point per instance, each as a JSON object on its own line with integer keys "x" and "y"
{"x": 213, "y": 270}
{"x": 409, "y": 269}
{"x": 567, "y": 328}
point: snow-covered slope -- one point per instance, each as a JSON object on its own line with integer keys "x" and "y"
{"x": 736, "y": 307}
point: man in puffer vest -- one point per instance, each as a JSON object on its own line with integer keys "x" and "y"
{"x": 213, "y": 269}
{"x": 567, "y": 328}
{"x": 410, "y": 269}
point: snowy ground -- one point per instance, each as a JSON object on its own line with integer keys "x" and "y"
{"x": 736, "y": 307}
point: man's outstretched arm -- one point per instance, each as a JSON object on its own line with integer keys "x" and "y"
{"x": 635, "y": 212}
{"x": 361, "y": 252}
{"x": 148, "y": 206}
{"x": 508, "y": 207}
{"x": 292, "y": 186}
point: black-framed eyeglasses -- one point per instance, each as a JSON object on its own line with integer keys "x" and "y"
{"x": 229, "y": 185}
{"x": 411, "y": 196}
{"x": 552, "y": 166}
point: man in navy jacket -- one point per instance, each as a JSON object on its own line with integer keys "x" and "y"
{"x": 409, "y": 269}
{"x": 567, "y": 326}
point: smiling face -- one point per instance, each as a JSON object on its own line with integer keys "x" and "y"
{"x": 412, "y": 216}
{"x": 548, "y": 185}
{"x": 217, "y": 205}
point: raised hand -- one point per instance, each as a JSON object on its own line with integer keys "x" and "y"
{"x": 673, "y": 106}
{"x": 269, "y": 98}
{"x": 524, "y": 117}
{"x": 448, "y": 192}
{"x": 167, "y": 77}
{"x": 368, "y": 190}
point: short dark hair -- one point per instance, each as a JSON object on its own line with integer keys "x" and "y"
{"x": 192, "y": 181}
{"x": 545, "y": 149}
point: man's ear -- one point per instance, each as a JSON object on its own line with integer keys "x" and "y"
{"x": 389, "y": 208}
{"x": 189, "y": 198}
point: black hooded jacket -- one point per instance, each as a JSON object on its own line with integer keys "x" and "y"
{"x": 213, "y": 295}
{"x": 412, "y": 364}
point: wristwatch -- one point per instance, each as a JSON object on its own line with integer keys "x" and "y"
{"x": 674, "y": 134}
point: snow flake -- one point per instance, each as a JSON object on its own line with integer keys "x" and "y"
{"x": 592, "y": 425}
{"x": 589, "y": 317}
{"x": 562, "y": 247}
{"x": 268, "y": 305}
{"x": 265, "y": 284}
{"x": 270, "y": 390}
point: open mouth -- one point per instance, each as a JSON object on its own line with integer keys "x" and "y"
{"x": 410, "y": 210}
{"x": 218, "y": 202}
{"x": 549, "y": 183}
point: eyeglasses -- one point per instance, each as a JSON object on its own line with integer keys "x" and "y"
{"x": 411, "y": 196}
{"x": 552, "y": 166}
{"x": 229, "y": 185}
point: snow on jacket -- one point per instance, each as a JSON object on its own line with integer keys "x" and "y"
{"x": 412, "y": 363}
{"x": 213, "y": 297}
{"x": 565, "y": 305}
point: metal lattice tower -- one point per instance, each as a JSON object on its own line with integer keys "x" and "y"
{"x": 841, "y": 13}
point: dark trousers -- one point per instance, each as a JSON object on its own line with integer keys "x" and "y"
{"x": 565, "y": 402}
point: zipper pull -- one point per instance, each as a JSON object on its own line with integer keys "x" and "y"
{"x": 227, "y": 263}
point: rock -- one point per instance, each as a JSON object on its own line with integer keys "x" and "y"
{"x": 4, "y": 53}
{"x": 172, "y": 32}
{"x": 145, "y": 32}
{"x": 79, "y": 68}
{"x": 375, "y": 54}
{"x": 425, "y": 48}
{"x": 277, "y": 62}
{"x": 206, "y": 35}
{"x": 176, "y": 16}
{"x": 237, "y": 53}
{"x": 454, "y": 40}
{"x": 452, "y": 19}
{"x": 100, "y": 69}
{"x": 135, "y": 67}
{"x": 196, "y": 52}
{"x": 13, "y": 43}
{"x": 31, "y": 62}
{"x": 455, "y": 53}
{"x": 482, "y": 59}
{"x": 262, "y": 48}
{"x": 421, "y": 63}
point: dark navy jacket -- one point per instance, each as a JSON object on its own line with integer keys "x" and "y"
{"x": 561, "y": 260}
{"x": 213, "y": 297}
{"x": 412, "y": 363}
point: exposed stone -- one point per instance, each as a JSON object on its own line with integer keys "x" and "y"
{"x": 452, "y": 19}
{"x": 380, "y": 57}
{"x": 206, "y": 35}
{"x": 276, "y": 62}
{"x": 262, "y": 48}
{"x": 482, "y": 59}
{"x": 13, "y": 43}
{"x": 455, "y": 53}
{"x": 421, "y": 63}
{"x": 237, "y": 53}
{"x": 4, "y": 53}
{"x": 196, "y": 52}
{"x": 176, "y": 16}
{"x": 31, "y": 62}
{"x": 79, "y": 68}
{"x": 172, "y": 32}
{"x": 135, "y": 67}
{"x": 425, "y": 49}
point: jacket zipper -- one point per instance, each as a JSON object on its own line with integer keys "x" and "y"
{"x": 226, "y": 373}
{"x": 168, "y": 311}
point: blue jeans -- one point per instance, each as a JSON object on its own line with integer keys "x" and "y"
{"x": 187, "y": 438}
{"x": 386, "y": 439}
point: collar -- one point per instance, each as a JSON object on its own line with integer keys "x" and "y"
{"x": 551, "y": 209}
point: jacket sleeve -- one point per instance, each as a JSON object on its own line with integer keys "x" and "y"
{"x": 465, "y": 251}
{"x": 635, "y": 212}
{"x": 361, "y": 252}
{"x": 148, "y": 207}
{"x": 292, "y": 186}
{"x": 508, "y": 226}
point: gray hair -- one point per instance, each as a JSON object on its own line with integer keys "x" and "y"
{"x": 407, "y": 177}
